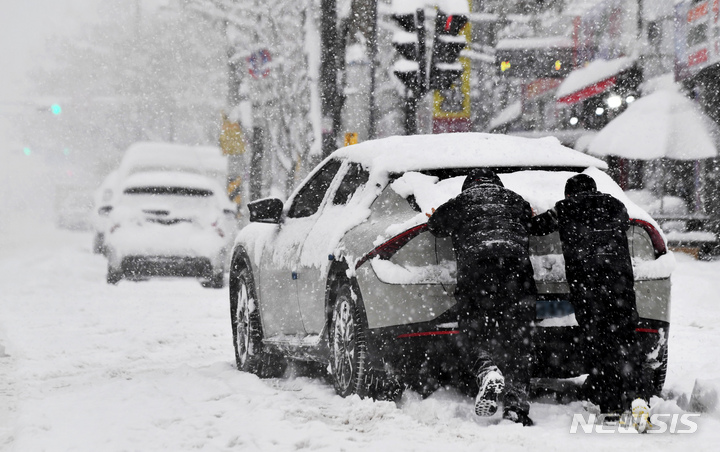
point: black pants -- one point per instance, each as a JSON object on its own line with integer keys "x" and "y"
{"x": 604, "y": 303}
{"x": 615, "y": 361}
{"x": 495, "y": 318}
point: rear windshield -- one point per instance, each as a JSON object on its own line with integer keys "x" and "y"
{"x": 447, "y": 173}
{"x": 176, "y": 191}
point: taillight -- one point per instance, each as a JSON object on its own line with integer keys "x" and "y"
{"x": 657, "y": 241}
{"x": 389, "y": 248}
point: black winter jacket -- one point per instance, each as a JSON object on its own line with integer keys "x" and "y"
{"x": 485, "y": 221}
{"x": 592, "y": 227}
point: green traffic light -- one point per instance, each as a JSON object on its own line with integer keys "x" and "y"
{"x": 55, "y": 109}
{"x": 27, "y": 151}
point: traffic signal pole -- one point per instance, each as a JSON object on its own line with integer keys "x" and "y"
{"x": 413, "y": 53}
{"x": 422, "y": 70}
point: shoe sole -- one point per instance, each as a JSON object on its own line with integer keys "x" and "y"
{"x": 486, "y": 404}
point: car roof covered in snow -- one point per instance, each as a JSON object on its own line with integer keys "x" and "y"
{"x": 464, "y": 150}
{"x": 170, "y": 179}
{"x": 158, "y": 156}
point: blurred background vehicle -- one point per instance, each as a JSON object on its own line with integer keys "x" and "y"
{"x": 144, "y": 157}
{"x": 169, "y": 224}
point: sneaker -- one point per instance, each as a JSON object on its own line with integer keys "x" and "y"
{"x": 492, "y": 384}
{"x": 641, "y": 415}
{"x": 519, "y": 417}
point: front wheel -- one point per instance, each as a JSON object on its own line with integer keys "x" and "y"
{"x": 348, "y": 360}
{"x": 250, "y": 354}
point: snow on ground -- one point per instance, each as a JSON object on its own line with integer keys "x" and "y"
{"x": 149, "y": 366}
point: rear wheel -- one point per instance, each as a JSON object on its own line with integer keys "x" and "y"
{"x": 216, "y": 282}
{"x": 250, "y": 353}
{"x": 348, "y": 350}
{"x": 114, "y": 275}
{"x": 660, "y": 372}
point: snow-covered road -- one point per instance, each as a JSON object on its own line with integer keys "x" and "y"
{"x": 149, "y": 366}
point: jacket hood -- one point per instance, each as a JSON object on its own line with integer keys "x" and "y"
{"x": 579, "y": 183}
{"x": 481, "y": 176}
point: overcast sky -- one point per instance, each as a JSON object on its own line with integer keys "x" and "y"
{"x": 25, "y": 25}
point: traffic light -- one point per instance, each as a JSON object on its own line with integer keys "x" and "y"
{"x": 525, "y": 60}
{"x": 55, "y": 109}
{"x": 448, "y": 42}
{"x": 410, "y": 44}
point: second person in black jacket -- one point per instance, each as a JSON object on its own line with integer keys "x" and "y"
{"x": 593, "y": 228}
{"x": 495, "y": 289}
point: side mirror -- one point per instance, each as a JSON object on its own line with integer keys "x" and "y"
{"x": 105, "y": 210}
{"x": 268, "y": 210}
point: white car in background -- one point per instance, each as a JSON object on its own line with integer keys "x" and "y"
{"x": 170, "y": 224}
{"x": 344, "y": 273}
{"x": 144, "y": 157}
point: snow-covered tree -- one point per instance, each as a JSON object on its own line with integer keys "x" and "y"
{"x": 280, "y": 39}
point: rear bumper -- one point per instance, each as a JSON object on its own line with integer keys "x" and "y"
{"x": 425, "y": 355}
{"x": 143, "y": 266}
{"x": 558, "y": 354}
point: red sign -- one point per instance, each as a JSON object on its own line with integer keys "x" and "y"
{"x": 588, "y": 91}
{"x": 697, "y": 12}
{"x": 701, "y": 56}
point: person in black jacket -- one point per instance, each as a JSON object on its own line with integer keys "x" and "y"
{"x": 495, "y": 289}
{"x": 593, "y": 227}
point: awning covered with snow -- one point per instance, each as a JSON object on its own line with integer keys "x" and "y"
{"x": 664, "y": 124}
{"x": 591, "y": 80}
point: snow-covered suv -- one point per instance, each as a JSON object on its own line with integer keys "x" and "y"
{"x": 170, "y": 224}
{"x": 344, "y": 273}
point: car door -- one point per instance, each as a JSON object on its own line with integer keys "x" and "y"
{"x": 279, "y": 262}
{"x": 331, "y": 223}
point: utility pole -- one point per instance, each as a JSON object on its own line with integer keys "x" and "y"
{"x": 329, "y": 95}
{"x": 372, "y": 119}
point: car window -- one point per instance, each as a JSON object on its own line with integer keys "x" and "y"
{"x": 308, "y": 199}
{"x": 389, "y": 206}
{"x": 355, "y": 178}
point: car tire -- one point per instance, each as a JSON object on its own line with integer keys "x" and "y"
{"x": 216, "y": 282}
{"x": 250, "y": 353}
{"x": 659, "y": 373}
{"x": 348, "y": 347}
{"x": 114, "y": 275}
